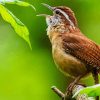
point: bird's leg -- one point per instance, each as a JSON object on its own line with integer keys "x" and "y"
{"x": 96, "y": 79}
{"x": 71, "y": 85}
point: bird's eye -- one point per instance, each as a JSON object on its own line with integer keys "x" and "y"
{"x": 57, "y": 12}
{"x": 50, "y": 21}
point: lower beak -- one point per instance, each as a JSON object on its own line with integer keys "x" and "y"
{"x": 45, "y": 15}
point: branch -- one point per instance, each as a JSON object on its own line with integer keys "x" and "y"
{"x": 58, "y": 92}
{"x": 76, "y": 88}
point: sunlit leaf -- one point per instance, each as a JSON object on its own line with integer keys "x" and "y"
{"x": 17, "y": 2}
{"x": 18, "y": 26}
{"x": 91, "y": 91}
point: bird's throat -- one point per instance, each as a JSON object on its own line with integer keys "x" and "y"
{"x": 55, "y": 31}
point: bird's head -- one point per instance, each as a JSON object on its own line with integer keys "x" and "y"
{"x": 61, "y": 15}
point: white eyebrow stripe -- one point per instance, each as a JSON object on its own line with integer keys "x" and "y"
{"x": 66, "y": 16}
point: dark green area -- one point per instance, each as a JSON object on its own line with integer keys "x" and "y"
{"x": 26, "y": 74}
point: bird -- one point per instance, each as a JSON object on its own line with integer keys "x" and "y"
{"x": 74, "y": 54}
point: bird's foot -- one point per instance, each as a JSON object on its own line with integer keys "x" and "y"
{"x": 68, "y": 93}
{"x": 69, "y": 89}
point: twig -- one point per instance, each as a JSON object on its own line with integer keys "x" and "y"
{"x": 76, "y": 88}
{"x": 57, "y": 91}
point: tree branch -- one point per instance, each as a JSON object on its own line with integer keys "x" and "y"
{"x": 58, "y": 92}
{"x": 76, "y": 88}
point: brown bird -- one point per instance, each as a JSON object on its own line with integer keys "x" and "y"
{"x": 73, "y": 53}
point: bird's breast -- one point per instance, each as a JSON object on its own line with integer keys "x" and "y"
{"x": 67, "y": 64}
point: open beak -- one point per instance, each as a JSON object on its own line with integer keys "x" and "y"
{"x": 49, "y": 7}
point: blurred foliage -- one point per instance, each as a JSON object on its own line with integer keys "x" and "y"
{"x": 9, "y": 17}
{"x": 90, "y": 91}
{"x": 26, "y": 74}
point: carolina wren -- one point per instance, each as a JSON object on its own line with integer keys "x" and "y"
{"x": 73, "y": 53}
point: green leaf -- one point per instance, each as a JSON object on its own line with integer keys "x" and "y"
{"x": 91, "y": 91}
{"x": 18, "y": 26}
{"x": 17, "y": 2}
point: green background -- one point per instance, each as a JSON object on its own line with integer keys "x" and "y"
{"x": 29, "y": 74}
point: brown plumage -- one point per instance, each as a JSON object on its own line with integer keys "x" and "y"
{"x": 69, "y": 12}
{"x": 82, "y": 48}
{"x": 73, "y": 53}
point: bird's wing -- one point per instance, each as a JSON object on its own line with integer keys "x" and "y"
{"x": 83, "y": 49}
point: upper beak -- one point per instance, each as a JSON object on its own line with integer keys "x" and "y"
{"x": 48, "y": 6}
